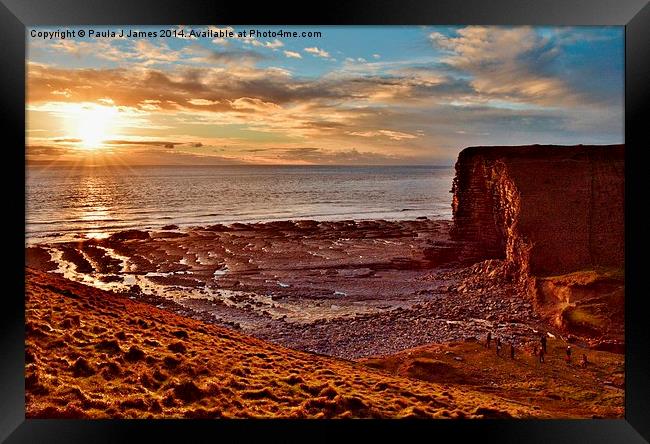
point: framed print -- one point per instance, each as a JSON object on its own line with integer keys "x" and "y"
{"x": 350, "y": 221}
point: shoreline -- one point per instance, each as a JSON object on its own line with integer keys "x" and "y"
{"x": 102, "y": 232}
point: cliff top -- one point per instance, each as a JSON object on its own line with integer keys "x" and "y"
{"x": 543, "y": 152}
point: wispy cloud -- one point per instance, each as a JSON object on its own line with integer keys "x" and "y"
{"x": 317, "y": 52}
{"x": 293, "y": 54}
{"x": 393, "y": 135}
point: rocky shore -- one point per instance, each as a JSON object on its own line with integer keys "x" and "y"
{"x": 303, "y": 284}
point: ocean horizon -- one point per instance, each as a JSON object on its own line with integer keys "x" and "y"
{"x": 64, "y": 203}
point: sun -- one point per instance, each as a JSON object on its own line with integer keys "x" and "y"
{"x": 94, "y": 125}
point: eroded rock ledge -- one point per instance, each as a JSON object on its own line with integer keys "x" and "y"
{"x": 556, "y": 215}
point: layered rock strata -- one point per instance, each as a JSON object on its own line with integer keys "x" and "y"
{"x": 556, "y": 215}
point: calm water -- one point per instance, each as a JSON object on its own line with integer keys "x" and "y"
{"x": 66, "y": 203}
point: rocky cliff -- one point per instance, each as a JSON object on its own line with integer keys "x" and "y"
{"x": 555, "y": 214}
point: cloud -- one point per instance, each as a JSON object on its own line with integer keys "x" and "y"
{"x": 248, "y": 103}
{"x": 236, "y": 57}
{"x": 151, "y": 53}
{"x": 121, "y": 50}
{"x": 102, "y": 49}
{"x": 214, "y": 89}
{"x": 127, "y": 152}
{"x": 505, "y": 63}
{"x": 352, "y": 156}
{"x": 43, "y": 150}
{"x": 66, "y": 93}
{"x": 224, "y": 41}
{"x": 292, "y": 54}
{"x": 66, "y": 140}
{"x": 317, "y": 52}
{"x": 202, "y": 102}
{"x": 393, "y": 135}
{"x": 157, "y": 156}
{"x": 353, "y": 60}
{"x": 275, "y": 44}
{"x": 161, "y": 143}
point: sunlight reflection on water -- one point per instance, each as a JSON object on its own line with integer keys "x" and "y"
{"x": 65, "y": 203}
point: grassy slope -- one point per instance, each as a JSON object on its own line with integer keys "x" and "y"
{"x": 555, "y": 387}
{"x": 586, "y": 302}
{"x": 91, "y": 353}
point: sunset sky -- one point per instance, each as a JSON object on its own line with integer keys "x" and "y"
{"x": 356, "y": 95}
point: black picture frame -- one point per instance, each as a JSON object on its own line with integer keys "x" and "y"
{"x": 16, "y": 15}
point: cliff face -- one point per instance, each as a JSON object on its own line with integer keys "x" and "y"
{"x": 549, "y": 211}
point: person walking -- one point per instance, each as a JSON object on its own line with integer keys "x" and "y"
{"x": 583, "y": 361}
{"x": 568, "y": 354}
{"x": 512, "y": 350}
{"x": 489, "y": 339}
{"x": 542, "y": 341}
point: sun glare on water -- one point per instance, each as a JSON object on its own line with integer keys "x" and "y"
{"x": 94, "y": 125}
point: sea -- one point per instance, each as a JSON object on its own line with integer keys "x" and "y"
{"x": 69, "y": 203}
